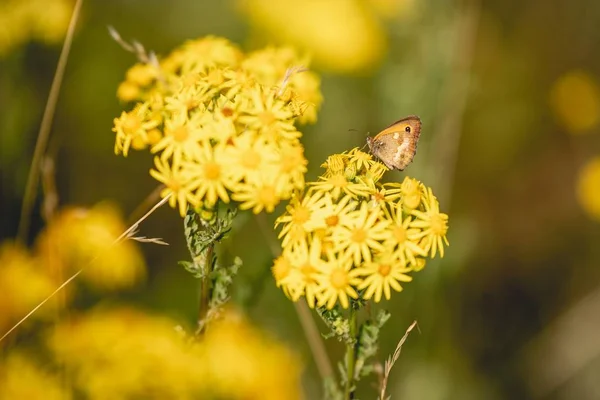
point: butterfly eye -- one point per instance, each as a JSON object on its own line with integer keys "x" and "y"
{"x": 407, "y": 129}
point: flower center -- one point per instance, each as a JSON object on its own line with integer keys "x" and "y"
{"x": 399, "y": 233}
{"x": 250, "y": 159}
{"x": 359, "y": 235}
{"x": 180, "y": 134}
{"x": 384, "y": 269}
{"x": 308, "y": 272}
{"x": 212, "y": 170}
{"x": 338, "y": 181}
{"x": 438, "y": 225}
{"x": 266, "y": 118}
{"x": 174, "y": 185}
{"x": 138, "y": 142}
{"x": 154, "y": 136}
{"x": 227, "y": 112}
{"x": 332, "y": 220}
{"x": 131, "y": 124}
{"x": 281, "y": 268}
{"x": 301, "y": 215}
{"x": 267, "y": 196}
{"x": 339, "y": 278}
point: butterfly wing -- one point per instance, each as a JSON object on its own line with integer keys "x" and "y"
{"x": 396, "y": 145}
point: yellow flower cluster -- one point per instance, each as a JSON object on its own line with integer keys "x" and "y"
{"x": 21, "y": 378}
{"x": 124, "y": 353}
{"x": 221, "y": 123}
{"x": 349, "y": 235}
{"x": 22, "y": 284}
{"x": 44, "y": 20}
{"x": 86, "y": 239}
{"x": 353, "y": 40}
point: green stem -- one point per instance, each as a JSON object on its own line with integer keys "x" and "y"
{"x": 205, "y": 265}
{"x": 351, "y": 355}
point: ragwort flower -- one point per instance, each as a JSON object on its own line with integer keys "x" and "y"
{"x": 361, "y": 236}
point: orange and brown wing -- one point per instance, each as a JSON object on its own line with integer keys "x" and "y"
{"x": 397, "y": 144}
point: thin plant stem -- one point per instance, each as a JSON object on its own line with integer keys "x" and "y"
{"x": 311, "y": 332}
{"x": 44, "y": 132}
{"x": 206, "y": 261}
{"x": 351, "y": 354}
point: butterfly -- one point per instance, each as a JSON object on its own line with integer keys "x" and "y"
{"x": 396, "y": 145}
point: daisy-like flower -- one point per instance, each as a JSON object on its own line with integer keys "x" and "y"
{"x": 292, "y": 164}
{"x": 433, "y": 225}
{"x": 361, "y": 159}
{"x": 130, "y": 125}
{"x": 336, "y": 184}
{"x": 337, "y": 280}
{"x": 185, "y": 100}
{"x": 207, "y": 176}
{"x": 287, "y": 277}
{"x": 306, "y": 258}
{"x": 404, "y": 240}
{"x": 183, "y": 137}
{"x": 385, "y": 272}
{"x": 410, "y": 191}
{"x": 171, "y": 176}
{"x": 250, "y": 157}
{"x": 303, "y": 214}
{"x": 263, "y": 194}
{"x": 269, "y": 115}
{"x": 362, "y": 234}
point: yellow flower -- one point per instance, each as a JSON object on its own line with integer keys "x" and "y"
{"x": 249, "y": 157}
{"x": 243, "y": 363}
{"x": 270, "y": 116}
{"x": 588, "y": 188}
{"x": 183, "y": 139}
{"x": 353, "y": 41}
{"x": 336, "y": 279}
{"x": 130, "y": 125}
{"x": 208, "y": 176}
{"x": 433, "y": 225}
{"x": 151, "y": 343}
{"x": 306, "y": 258}
{"x": 263, "y": 194}
{"x": 292, "y": 164}
{"x": 171, "y": 176}
{"x": 362, "y": 234}
{"x": 404, "y": 241}
{"x": 22, "y": 284}
{"x": 575, "y": 98}
{"x": 336, "y": 184}
{"x": 302, "y": 214}
{"x": 359, "y": 227}
{"x": 20, "y": 378}
{"x": 385, "y": 272}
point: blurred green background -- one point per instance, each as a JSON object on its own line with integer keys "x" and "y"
{"x": 509, "y": 99}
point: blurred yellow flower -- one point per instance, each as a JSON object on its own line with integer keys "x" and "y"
{"x": 341, "y": 35}
{"x": 243, "y": 363}
{"x": 575, "y": 99}
{"x": 23, "y": 284}
{"x": 124, "y": 353}
{"x": 20, "y": 378}
{"x": 349, "y": 233}
{"x": 588, "y": 188}
{"x": 86, "y": 239}
{"x": 21, "y": 21}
